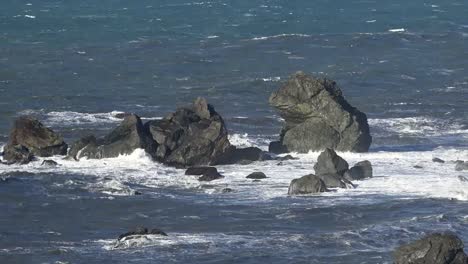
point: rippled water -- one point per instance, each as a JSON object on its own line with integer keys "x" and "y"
{"x": 76, "y": 64}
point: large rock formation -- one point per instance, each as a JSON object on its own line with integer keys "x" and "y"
{"x": 191, "y": 136}
{"x": 317, "y": 117}
{"x": 306, "y": 185}
{"x": 30, "y": 137}
{"x": 432, "y": 249}
{"x": 126, "y": 138}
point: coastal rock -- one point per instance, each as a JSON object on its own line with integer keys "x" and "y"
{"x": 234, "y": 155}
{"x": 306, "y": 185}
{"x": 359, "y": 171}
{"x": 256, "y": 175}
{"x": 30, "y": 135}
{"x": 50, "y": 163}
{"x": 432, "y": 249}
{"x": 461, "y": 165}
{"x": 335, "y": 181}
{"x": 437, "y": 160}
{"x": 200, "y": 170}
{"x": 123, "y": 140}
{"x": 328, "y": 162}
{"x": 317, "y": 117}
{"x": 190, "y": 136}
{"x": 210, "y": 176}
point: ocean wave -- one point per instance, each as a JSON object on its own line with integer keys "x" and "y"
{"x": 281, "y": 36}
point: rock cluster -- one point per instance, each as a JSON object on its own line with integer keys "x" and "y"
{"x": 317, "y": 117}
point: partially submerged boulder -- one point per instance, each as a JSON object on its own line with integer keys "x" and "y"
{"x": 461, "y": 165}
{"x": 307, "y": 185}
{"x": 207, "y": 173}
{"x": 256, "y": 175}
{"x": 234, "y": 155}
{"x": 123, "y": 140}
{"x": 142, "y": 231}
{"x": 28, "y": 138}
{"x": 432, "y": 249}
{"x": 330, "y": 168}
{"x": 317, "y": 117}
{"x": 190, "y": 136}
{"x": 359, "y": 171}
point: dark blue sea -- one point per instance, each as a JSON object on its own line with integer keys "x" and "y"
{"x": 76, "y": 64}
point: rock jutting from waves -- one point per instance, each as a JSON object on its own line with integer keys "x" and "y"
{"x": 432, "y": 249}
{"x": 359, "y": 171}
{"x": 330, "y": 168}
{"x": 308, "y": 184}
{"x": 30, "y": 138}
{"x": 461, "y": 165}
{"x": 207, "y": 173}
{"x": 317, "y": 116}
{"x": 256, "y": 175}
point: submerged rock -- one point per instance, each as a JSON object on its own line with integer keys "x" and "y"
{"x": 437, "y": 160}
{"x": 359, "y": 171}
{"x": 306, "y": 185}
{"x": 256, "y": 175}
{"x": 123, "y": 140}
{"x": 49, "y": 163}
{"x": 30, "y": 135}
{"x": 191, "y": 136}
{"x": 200, "y": 170}
{"x": 432, "y": 249}
{"x": 211, "y": 176}
{"x": 461, "y": 165}
{"x": 235, "y": 155}
{"x": 317, "y": 117}
{"x": 142, "y": 231}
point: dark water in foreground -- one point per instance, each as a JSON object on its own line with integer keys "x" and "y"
{"x": 75, "y": 64}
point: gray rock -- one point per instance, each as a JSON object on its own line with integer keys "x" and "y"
{"x": 432, "y": 249}
{"x": 328, "y": 162}
{"x": 123, "y": 140}
{"x": 317, "y": 117}
{"x": 210, "y": 176}
{"x": 256, "y": 175}
{"x": 437, "y": 160}
{"x": 50, "y": 163}
{"x": 142, "y": 231}
{"x": 200, "y": 170}
{"x": 359, "y": 171}
{"x": 277, "y": 147}
{"x": 306, "y": 185}
{"x": 335, "y": 181}
{"x": 461, "y": 165}
{"x": 194, "y": 135}
{"x": 248, "y": 155}
{"x": 30, "y": 135}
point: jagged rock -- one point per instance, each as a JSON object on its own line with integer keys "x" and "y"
{"x": 191, "y": 136}
{"x": 461, "y": 165}
{"x": 359, "y": 171}
{"x": 328, "y": 162}
{"x": 437, "y": 160}
{"x": 200, "y": 170}
{"x": 317, "y": 117}
{"x": 256, "y": 175}
{"x": 306, "y": 185}
{"x": 432, "y": 249}
{"x": 142, "y": 231}
{"x": 30, "y": 135}
{"x": 123, "y": 140}
{"x": 49, "y": 163}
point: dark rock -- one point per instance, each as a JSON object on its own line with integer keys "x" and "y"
{"x": 360, "y": 171}
{"x": 201, "y": 170}
{"x": 31, "y": 135}
{"x": 277, "y": 147}
{"x": 137, "y": 193}
{"x": 191, "y": 136}
{"x": 17, "y": 154}
{"x": 417, "y": 167}
{"x": 123, "y": 140}
{"x": 287, "y": 157}
{"x": 248, "y": 155}
{"x": 307, "y": 184}
{"x": 226, "y": 190}
{"x": 317, "y": 117}
{"x": 256, "y": 175}
{"x": 142, "y": 231}
{"x": 461, "y": 165}
{"x": 437, "y": 160}
{"x": 122, "y": 115}
{"x": 211, "y": 176}
{"x": 432, "y": 249}
{"x": 335, "y": 181}
{"x": 328, "y": 162}
{"x": 49, "y": 163}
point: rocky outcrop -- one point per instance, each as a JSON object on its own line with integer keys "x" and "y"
{"x": 123, "y": 140}
{"x": 359, "y": 171}
{"x": 207, "y": 173}
{"x": 330, "y": 168}
{"x": 191, "y": 136}
{"x": 317, "y": 117}
{"x": 306, "y": 185}
{"x": 432, "y": 249}
{"x": 256, "y": 175}
{"x": 234, "y": 155}
{"x": 461, "y": 165}
{"x": 28, "y": 138}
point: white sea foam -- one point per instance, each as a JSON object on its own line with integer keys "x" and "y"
{"x": 419, "y": 126}
{"x": 397, "y": 30}
{"x": 281, "y": 36}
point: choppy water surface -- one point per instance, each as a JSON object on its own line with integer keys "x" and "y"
{"x": 75, "y": 64}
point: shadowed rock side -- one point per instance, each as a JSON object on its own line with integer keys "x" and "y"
{"x": 190, "y": 136}
{"x": 432, "y": 249}
{"x": 126, "y": 138}
{"x": 330, "y": 168}
{"x": 29, "y": 138}
{"x": 359, "y": 171}
{"x": 317, "y": 117}
{"x": 306, "y": 185}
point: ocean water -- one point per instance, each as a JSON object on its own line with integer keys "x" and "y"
{"x": 76, "y": 64}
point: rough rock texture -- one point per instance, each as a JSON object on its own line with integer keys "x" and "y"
{"x": 328, "y": 162}
{"x": 126, "y": 138}
{"x": 306, "y": 185}
{"x": 190, "y": 136}
{"x": 432, "y": 249}
{"x": 30, "y": 135}
{"x": 359, "y": 171}
{"x": 256, "y": 175}
{"x": 317, "y": 117}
